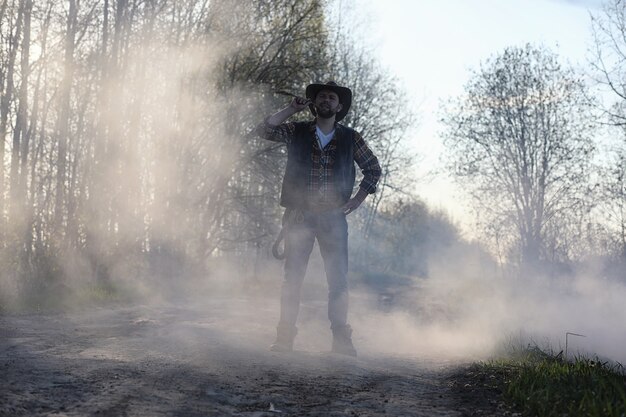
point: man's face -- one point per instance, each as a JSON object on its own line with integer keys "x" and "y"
{"x": 327, "y": 104}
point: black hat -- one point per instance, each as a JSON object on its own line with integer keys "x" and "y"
{"x": 344, "y": 93}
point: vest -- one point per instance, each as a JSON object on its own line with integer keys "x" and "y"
{"x": 295, "y": 193}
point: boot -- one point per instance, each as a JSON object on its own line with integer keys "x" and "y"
{"x": 285, "y": 334}
{"x": 342, "y": 340}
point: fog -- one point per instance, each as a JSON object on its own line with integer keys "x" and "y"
{"x": 142, "y": 185}
{"x": 456, "y": 314}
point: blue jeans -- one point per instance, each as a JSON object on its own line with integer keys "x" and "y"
{"x": 331, "y": 230}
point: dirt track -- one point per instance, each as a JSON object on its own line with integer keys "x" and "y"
{"x": 196, "y": 361}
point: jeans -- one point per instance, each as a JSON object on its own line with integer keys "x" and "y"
{"x": 331, "y": 230}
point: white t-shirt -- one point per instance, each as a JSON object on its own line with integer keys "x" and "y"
{"x": 324, "y": 139}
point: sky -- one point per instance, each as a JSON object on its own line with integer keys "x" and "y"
{"x": 431, "y": 46}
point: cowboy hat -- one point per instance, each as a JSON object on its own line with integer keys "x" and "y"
{"x": 344, "y": 93}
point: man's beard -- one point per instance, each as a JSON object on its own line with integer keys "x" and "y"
{"x": 325, "y": 112}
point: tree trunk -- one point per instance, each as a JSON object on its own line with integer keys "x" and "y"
{"x": 20, "y": 133}
{"x": 5, "y": 107}
{"x": 33, "y": 190}
{"x": 62, "y": 130}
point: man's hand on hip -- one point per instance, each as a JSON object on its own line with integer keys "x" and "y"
{"x": 354, "y": 202}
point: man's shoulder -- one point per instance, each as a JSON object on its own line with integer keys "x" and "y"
{"x": 346, "y": 130}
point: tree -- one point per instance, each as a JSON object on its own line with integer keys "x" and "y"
{"x": 608, "y": 63}
{"x": 410, "y": 235}
{"x": 608, "y": 57}
{"x": 11, "y": 22}
{"x": 519, "y": 141}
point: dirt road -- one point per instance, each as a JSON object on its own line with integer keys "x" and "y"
{"x": 200, "y": 360}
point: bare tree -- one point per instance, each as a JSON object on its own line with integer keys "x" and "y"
{"x": 12, "y": 25}
{"x": 62, "y": 129}
{"x": 608, "y": 64}
{"x": 20, "y": 131}
{"x": 520, "y": 143}
{"x": 608, "y": 57}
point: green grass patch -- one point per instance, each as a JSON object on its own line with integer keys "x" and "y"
{"x": 543, "y": 384}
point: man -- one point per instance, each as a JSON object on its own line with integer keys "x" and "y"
{"x": 317, "y": 193}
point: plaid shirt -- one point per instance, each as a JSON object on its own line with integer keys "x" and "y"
{"x": 320, "y": 184}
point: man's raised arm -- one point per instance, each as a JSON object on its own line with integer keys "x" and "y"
{"x": 297, "y": 104}
{"x": 272, "y": 127}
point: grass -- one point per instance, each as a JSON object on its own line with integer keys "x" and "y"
{"x": 545, "y": 385}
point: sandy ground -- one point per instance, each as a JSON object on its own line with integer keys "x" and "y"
{"x": 208, "y": 359}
